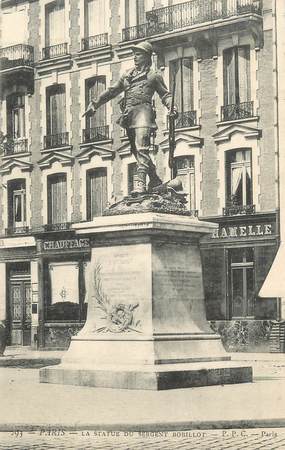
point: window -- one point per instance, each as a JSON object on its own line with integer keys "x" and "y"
{"x": 96, "y": 192}
{"x": 241, "y": 283}
{"x": 186, "y": 173}
{"x": 55, "y": 23}
{"x": 57, "y": 198}
{"x": 56, "y": 116}
{"x": 94, "y": 17}
{"x": 132, "y": 170}
{"x": 238, "y": 178}
{"x": 134, "y": 12}
{"x": 182, "y": 70}
{"x": 236, "y": 75}
{"x": 16, "y": 203}
{"x": 16, "y": 116}
{"x": 93, "y": 88}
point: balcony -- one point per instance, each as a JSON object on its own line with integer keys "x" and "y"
{"x": 12, "y": 146}
{"x": 55, "y": 51}
{"x": 239, "y": 210}
{"x": 100, "y": 40}
{"x": 10, "y": 231}
{"x": 189, "y": 14}
{"x": 237, "y": 111}
{"x": 16, "y": 56}
{"x": 64, "y": 226}
{"x": 56, "y": 140}
{"x": 95, "y": 134}
{"x": 17, "y": 65}
{"x": 185, "y": 119}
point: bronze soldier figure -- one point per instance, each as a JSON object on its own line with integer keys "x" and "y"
{"x": 138, "y": 117}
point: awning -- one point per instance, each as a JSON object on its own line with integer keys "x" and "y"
{"x": 274, "y": 284}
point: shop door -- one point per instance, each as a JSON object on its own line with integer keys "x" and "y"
{"x": 20, "y": 312}
{"x": 242, "y": 284}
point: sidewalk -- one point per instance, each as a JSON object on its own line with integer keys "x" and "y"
{"x": 27, "y": 405}
{"x": 265, "y": 365}
{"x": 16, "y": 356}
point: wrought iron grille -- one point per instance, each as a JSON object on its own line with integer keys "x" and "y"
{"x": 185, "y": 119}
{"x": 16, "y": 55}
{"x": 189, "y": 13}
{"x": 57, "y": 226}
{"x": 100, "y": 40}
{"x": 235, "y": 210}
{"x": 54, "y": 51}
{"x": 56, "y": 140}
{"x": 95, "y": 134}
{"x": 12, "y": 146}
{"x": 16, "y": 230}
{"x": 237, "y": 111}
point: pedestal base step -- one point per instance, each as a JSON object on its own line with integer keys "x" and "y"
{"x": 168, "y": 376}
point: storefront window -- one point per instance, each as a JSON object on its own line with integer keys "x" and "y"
{"x": 241, "y": 282}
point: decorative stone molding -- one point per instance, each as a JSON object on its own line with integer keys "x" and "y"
{"x": 8, "y": 166}
{"x": 51, "y": 158}
{"x": 227, "y": 133}
{"x": 185, "y": 138}
{"x": 90, "y": 150}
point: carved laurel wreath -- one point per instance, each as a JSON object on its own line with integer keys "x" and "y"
{"x": 119, "y": 317}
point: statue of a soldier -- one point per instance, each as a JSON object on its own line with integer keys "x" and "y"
{"x": 138, "y": 117}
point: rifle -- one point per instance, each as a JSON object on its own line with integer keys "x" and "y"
{"x": 172, "y": 143}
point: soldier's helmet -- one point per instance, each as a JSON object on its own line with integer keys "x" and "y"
{"x": 144, "y": 46}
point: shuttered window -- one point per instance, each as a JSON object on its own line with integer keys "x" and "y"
{"x": 93, "y": 88}
{"x": 95, "y": 20}
{"x": 56, "y": 109}
{"x": 57, "y": 199}
{"x": 134, "y": 12}
{"x": 183, "y": 68}
{"x": 55, "y": 23}
{"x": 96, "y": 192}
{"x": 236, "y": 75}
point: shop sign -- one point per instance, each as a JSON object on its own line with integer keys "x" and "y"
{"x": 66, "y": 244}
{"x": 241, "y": 231}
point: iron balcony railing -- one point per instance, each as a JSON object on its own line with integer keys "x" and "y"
{"x": 16, "y": 55}
{"x": 56, "y": 140}
{"x": 235, "y": 210}
{"x": 237, "y": 111}
{"x": 55, "y": 51}
{"x": 95, "y": 134}
{"x": 16, "y": 230}
{"x": 12, "y": 146}
{"x": 185, "y": 119}
{"x": 100, "y": 40}
{"x": 64, "y": 226}
{"x": 189, "y": 13}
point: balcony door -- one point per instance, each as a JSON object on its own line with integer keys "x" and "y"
{"x": 16, "y": 204}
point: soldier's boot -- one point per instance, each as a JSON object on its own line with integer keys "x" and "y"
{"x": 154, "y": 179}
{"x": 139, "y": 183}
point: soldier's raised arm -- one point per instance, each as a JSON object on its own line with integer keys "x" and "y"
{"x": 105, "y": 97}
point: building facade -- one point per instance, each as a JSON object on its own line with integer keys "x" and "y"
{"x": 58, "y": 168}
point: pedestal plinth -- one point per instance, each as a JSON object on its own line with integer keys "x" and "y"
{"x": 146, "y": 324}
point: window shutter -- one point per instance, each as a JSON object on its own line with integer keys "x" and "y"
{"x": 244, "y": 73}
{"x": 187, "y": 84}
{"x": 229, "y": 77}
{"x": 175, "y": 68}
{"x": 96, "y": 192}
{"x": 127, "y": 13}
{"x": 140, "y": 12}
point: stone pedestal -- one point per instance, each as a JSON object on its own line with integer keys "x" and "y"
{"x": 146, "y": 325}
